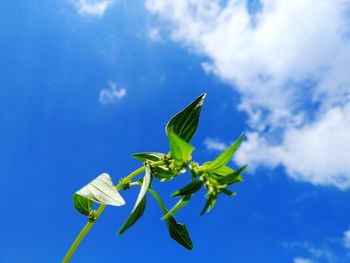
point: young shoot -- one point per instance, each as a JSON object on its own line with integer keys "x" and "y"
{"x": 214, "y": 176}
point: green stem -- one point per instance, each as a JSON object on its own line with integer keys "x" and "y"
{"x": 159, "y": 200}
{"x": 99, "y": 211}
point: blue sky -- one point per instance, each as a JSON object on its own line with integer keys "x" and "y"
{"x": 84, "y": 84}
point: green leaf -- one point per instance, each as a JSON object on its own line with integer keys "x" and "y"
{"x": 101, "y": 190}
{"x": 148, "y": 156}
{"x": 82, "y": 204}
{"x": 184, "y": 123}
{"x": 226, "y": 156}
{"x": 134, "y": 216}
{"x": 162, "y": 172}
{"x": 180, "y": 150}
{"x": 238, "y": 179}
{"x": 223, "y": 171}
{"x": 233, "y": 177}
{"x": 227, "y": 192}
{"x": 183, "y": 201}
{"x": 219, "y": 172}
{"x": 188, "y": 189}
{"x": 140, "y": 203}
{"x": 177, "y": 231}
{"x": 209, "y": 204}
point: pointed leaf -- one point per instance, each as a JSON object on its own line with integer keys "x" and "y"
{"x": 148, "y": 156}
{"x": 209, "y": 204}
{"x": 238, "y": 179}
{"x": 233, "y": 177}
{"x": 188, "y": 189}
{"x": 227, "y": 192}
{"x": 226, "y": 156}
{"x": 177, "y": 231}
{"x": 205, "y": 208}
{"x": 134, "y": 216}
{"x": 140, "y": 203}
{"x": 144, "y": 187}
{"x": 184, "y": 123}
{"x": 102, "y": 190}
{"x": 82, "y": 204}
{"x": 223, "y": 171}
{"x": 163, "y": 173}
{"x": 183, "y": 201}
{"x": 219, "y": 172}
{"x": 180, "y": 150}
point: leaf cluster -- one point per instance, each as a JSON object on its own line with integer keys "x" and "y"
{"x": 214, "y": 176}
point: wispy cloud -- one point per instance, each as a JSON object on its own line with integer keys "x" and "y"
{"x": 347, "y": 239}
{"x": 92, "y": 7}
{"x": 315, "y": 254}
{"x": 154, "y": 35}
{"x": 290, "y": 66}
{"x": 303, "y": 260}
{"x": 112, "y": 94}
{"x": 214, "y": 144}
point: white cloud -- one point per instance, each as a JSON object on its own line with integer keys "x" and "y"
{"x": 347, "y": 239}
{"x": 214, "y": 144}
{"x": 112, "y": 94}
{"x": 154, "y": 35}
{"x": 303, "y": 260}
{"x": 92, "y": 7}
{"x": 317, "y": 152}
{"x": 283, "y": 59}
{"x": 316, "y": 254}
{"x": 325, "y": 254}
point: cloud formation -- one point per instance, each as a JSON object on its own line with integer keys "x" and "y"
{"x": 347, "y": 239}
{"x": 214, "y": 144}
{"x": 154, "y": 35}
{"x": 325, "y": 253}
{"x": 303, "y": 260}
{"x": 317, "y": 152}
{"x": 289, "y": 61}
{"x": 112, "y": 94}
{"x": 92, "y": 7}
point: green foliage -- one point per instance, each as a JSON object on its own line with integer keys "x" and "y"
{"x": 209, "y": 204}
{"x": 100, "y": 190}
{"x": 161, "y": 172}
{"x": 213, "y": 176}
{"x": 233, "y": 177}
{"x": 225, "y": 157}
{"x": 177, "y": 231}
{"x": 140, "y": 204}
{"x": 184, "y": 124}
{"x": 227, "y": 192}
{"x": 82, "y": 204}
{"x": 188, "y": 189}
{"x": 149, "y": 156}
{"x": 180, "y": 150}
